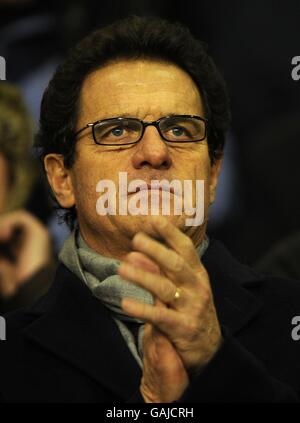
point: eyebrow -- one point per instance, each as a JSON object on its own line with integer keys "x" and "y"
{"x": 130, "y": 115}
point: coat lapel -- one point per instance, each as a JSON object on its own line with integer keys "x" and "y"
{"x": 76, "y": 327}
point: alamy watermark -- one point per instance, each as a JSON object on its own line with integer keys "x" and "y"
{"x": 2, "y": 329}
{"x": 296, "y": 69}
{"x": 2, "y": 69}
{"x": 296, "y": 330}
{"x": 153, "y": 198}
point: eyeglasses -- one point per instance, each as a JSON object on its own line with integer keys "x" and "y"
{"x": 125, "y": 131}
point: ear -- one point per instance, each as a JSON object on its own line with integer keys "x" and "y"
{"x": 214, "y": 175}
{"x": 60, "y": 180}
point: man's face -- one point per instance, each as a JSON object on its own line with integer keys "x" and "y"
{"x": 147, "y": 90}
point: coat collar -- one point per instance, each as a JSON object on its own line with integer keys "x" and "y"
{"x": 71, "y": 323}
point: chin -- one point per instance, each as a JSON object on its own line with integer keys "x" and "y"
{"x": 143, "y": 223}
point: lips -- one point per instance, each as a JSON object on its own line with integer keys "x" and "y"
{"x": 134, "y": 186}
{"x": 156, "y": 187}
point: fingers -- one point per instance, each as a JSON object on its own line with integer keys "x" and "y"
{"x": 9, "y": 222}
{"x": 167, "y": 259}
{"x": 165, "y": 319}
{"x": 160, "y": 286}
{"x": 164, "y": 376}
{"x": 176, "y": 239}
{"x": 139, "y": 259}
{"x": 8, "y": 284}
{"x": 6, "y": 231}
{"x": 30, "y": 247}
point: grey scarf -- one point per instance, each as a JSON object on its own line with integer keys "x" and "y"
{"x": 100, "y": 275}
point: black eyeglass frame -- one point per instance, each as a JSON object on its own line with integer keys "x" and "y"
{"x": 155, "y": 123}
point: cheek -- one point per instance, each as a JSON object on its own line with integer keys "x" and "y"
{"x": 203, "y": 172}
{"x": 88, "y": 171}
{"x": 203, "y": 168}
{"x": 85, "y": 179}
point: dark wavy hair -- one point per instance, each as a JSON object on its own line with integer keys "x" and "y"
{"x": 131, "y": 38}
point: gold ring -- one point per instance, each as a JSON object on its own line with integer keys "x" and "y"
{"x": 177, "y": 294}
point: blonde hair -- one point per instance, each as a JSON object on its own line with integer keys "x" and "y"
{"x": 16, "y": 137}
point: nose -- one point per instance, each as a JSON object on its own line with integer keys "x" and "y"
{"x": 152, "y": 151}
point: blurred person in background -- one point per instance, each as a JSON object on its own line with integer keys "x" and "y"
{"x": 25, "y": 245}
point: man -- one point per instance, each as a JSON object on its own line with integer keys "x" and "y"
{"x": 143, "y": 307}
{"x": 26, "y": 263}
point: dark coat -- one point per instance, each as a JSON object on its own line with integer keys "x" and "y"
{"x": 67, "y": 348}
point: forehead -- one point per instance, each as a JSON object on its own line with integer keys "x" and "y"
{"x": 138, "y": 88}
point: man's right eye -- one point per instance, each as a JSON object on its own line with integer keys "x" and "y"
{"x": 113, "y": 132}
{"x": 116, "y": 133}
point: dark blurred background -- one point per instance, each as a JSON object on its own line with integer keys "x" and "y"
{"x": 253, "y": 43}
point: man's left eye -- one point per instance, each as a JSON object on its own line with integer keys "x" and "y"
{"x": 178, "y": 131}
{"x": 117, "y": 132}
